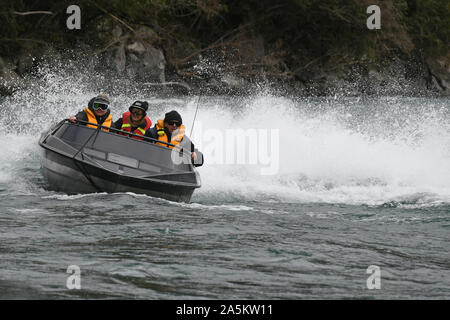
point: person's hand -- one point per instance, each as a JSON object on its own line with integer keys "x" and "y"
{"x": 72, "y": 119}
{"x": 193, "y": 156}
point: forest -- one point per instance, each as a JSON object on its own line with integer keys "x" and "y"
{"x": 288, "y": 40}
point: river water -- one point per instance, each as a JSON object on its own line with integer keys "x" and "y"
{"x": 338, "y": 189}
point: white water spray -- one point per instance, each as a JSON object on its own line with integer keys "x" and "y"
{"x": 345, "y": 150}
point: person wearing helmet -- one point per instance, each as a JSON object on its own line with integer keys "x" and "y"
{"x": 96, "y": 113}
{"x": 135, "y": 120}
{"x": 171, "y": 130}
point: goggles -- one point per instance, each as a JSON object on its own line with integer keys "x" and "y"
{"x": 102, "y": 106}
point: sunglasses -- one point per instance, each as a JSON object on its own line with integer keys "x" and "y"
{"x": 102, "y": 106}
{"x": 171, "y": 123}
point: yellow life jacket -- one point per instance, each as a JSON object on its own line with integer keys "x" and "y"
{"x": 93, "y": 119}
{"x": 162, "y": 136}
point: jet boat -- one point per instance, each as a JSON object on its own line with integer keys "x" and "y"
{"x": 82, "y": 159}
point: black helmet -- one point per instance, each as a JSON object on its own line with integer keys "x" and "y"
{"x": 173, "y": 115}
{"x": 143, "y": 105}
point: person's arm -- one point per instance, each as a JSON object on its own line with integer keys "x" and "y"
{"x": 79, "y": 116}
{"x": 151, "y": 133}
{"x": 197, "y": 156}
{"x": 118, "y": 124}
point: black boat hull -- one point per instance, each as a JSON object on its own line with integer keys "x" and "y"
{"x": 68, "y": 168}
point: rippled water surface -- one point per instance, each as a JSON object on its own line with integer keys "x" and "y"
{"x": 356, "y": 182}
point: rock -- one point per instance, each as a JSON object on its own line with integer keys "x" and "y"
{"x": 375, "y": 76}
{"x": 232, "y": 81}
{"x": 133, "y": 58}
{"x": 2, "y": 66}
{"x": 436, "y": 84}
{"x": 146, "y": 34}
{"x": 138, "y": 62}
{"x": 9, "y": 80}
{"x": 106, "y": 29}
{"x": 446, "y": 85}
{"x": 117, "y": 32}
{"x": 232, "y": 84}
{"x": 134, "y": 55}
{"x": 120, "y": 58}
{"x": 4, "y": 91}
{"x": 439, "y": 68}
{"x": 24, "y": 64}
{"x": 154, "y": 64}
{"x": 136, "y": 47}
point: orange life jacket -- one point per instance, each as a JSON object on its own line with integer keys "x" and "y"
{"x": 177, "y": 135}
{"x": 126, "y": 125}
{"x": 93, "y": 119}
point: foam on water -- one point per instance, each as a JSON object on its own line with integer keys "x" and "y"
{"x": 336, "y": 150}
{"x": 332, "y": 154}
{"x": 66, "y": 197}
{"x": 18, "y": 153}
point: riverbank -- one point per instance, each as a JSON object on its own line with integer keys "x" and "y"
{"x": 219, "y": 47}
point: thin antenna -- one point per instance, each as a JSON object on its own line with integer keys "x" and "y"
{"x": 195, "y": 116}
